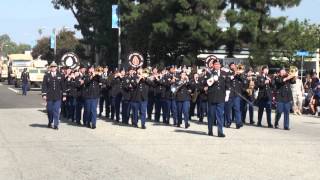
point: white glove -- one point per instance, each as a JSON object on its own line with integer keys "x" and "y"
{"x": 215, "y": 78}
{"x": 232, "y": 77}
{"x": 226, "y": 99}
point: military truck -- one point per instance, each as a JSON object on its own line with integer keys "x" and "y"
{"x": 16, "y": 64}
{"x": 36, "y": 72}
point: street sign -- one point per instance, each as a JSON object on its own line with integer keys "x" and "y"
{"x": 115, "y": 17}
{"x": 302, "y": 53}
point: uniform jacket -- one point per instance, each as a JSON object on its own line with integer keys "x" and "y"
{"x": 283, "y": 89}
{"x": 217, "y": 92}
{"x": 265, "y": 90}
{"x": 53, "y": 87}
{"x": 91, "y": 87}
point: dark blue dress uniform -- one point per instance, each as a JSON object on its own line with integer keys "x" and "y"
{"x": 91, "y": 96}
{"x": 53, "y": 88}
{"x": 202, "y": 99}
{"x": 233, "y": 105}
{"x": 171, "y": 104}
{"x": 116, "y": 96}
{"x": 196, "y": 87}
{"x": 284, "y": 99}
{"x": 264, "y": 99}
{"x": 127, "y": 89}
{"x": 80, "y": 99}
{"x": 160, "y": 101}
{"x": 105, "y": 95}
{"x": 151, "y": 98}
{"x": 216, "y": 99}
{"x": 25, "y": 78}
{"x": 250, "y": 84}
{"x": 183, "y": 98}
{"x": 72, "y": 94}
{"x": 139, "y": 101}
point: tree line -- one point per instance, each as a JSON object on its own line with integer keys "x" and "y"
{"x": 176, "y": 31}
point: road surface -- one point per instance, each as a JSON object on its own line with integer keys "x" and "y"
{"x": 29, "y": 150}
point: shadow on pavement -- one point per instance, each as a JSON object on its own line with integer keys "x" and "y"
{"x": 191, "y": 132}
{"x": 39, "y": 125}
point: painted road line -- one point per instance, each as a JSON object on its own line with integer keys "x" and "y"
{"x": 14, "y": 90}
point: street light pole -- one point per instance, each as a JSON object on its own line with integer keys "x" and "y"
{"x": 119, "y": 41}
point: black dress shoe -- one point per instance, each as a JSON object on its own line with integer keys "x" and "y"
{"x": 221, "y": 135}
{"x": 187, "y": 126}
{"x": 88, "y": 125}
{"x": 228, "y": 125}
{"x": 287, "y": 129}
{"x": 178, "y": 125}
{"x": 252, "y": 122}
{"x": 99, "y": 115}
{"x": 135, "y": 125}
{"x": 259, "y": 125}
{"x": 270, "y": 126}
{"x": 55, "y": 127}
{"x": 143, "y": 127}
{"x": 276, "y": 126}
{"x": 238, "y": 126}
{"x": 49, "y": 125}
{"x": 94, "y": 127}
{"x": 210, "y": 134}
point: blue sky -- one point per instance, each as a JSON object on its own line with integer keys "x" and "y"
{"x": 21, "y": 19}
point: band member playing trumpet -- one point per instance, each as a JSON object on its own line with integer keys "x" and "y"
{"x": 91, "y": 95}
{"x": 265, "y": 85}
{"x": 117, "y": 84}
{"x": 218, "y": 94}
{"x": 284, "y": 97}
{"x": 183, "y": 100}
{"x": 105, "y": 88}
{"x": 139, "y": 98}
{"x": 236, "y": 87}
{"x": 151, "y": 93}
{"x": 171, "y": 104}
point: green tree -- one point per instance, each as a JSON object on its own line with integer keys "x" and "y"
{"x": 66, "y": 42}
{"x": 10, "y": 47}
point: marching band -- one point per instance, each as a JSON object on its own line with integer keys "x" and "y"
{"x": 223, "y": 95}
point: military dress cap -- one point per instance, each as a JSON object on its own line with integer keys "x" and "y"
{"x": 53, "y": 64}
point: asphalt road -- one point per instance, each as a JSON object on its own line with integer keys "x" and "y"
{"x": 29, "y": 150}
{"x": 11, "y": 97}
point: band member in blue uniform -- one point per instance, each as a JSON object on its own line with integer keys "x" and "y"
{"x": 237, "y": 82}
{"x": 79, "y": 79}
{"x": 265, "y": 85}
{"x": 284, "y": 97}
{"x": 249, "y": 95}
{"x": 218, "y": 94}
{"x": 116, "y": 93}
{"x": 105, "y": 93}
{"x": 171, "y": 103}
{"x": 183, "y": 99}
{"x": 53, "y": 90}
{"x": 91, "y": 95}
{"x": 160, "y": 96}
